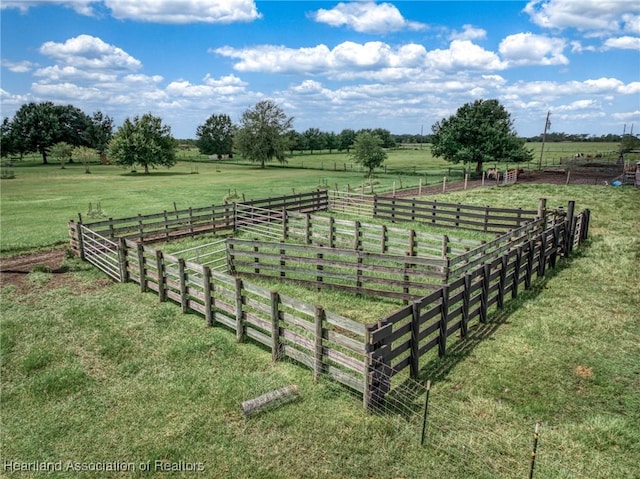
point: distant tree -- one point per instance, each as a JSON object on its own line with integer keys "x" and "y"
{"x": 346, "y": 139}
{"x": 10, "y": 142}
{"x": 42, "y": 125}
{"x": 479, "y": 132}
{"x": 215, "y": 137}
{"x": 331, "y": 141}
{"x": 145, "y": 141}
{"x": 262, "y": 134}
{"x": 61, "y": 151}
{"x": 315, "y": 139}
{"x": 84, "y": 155}
{"x": 294, "y": 141}
{"x": 628, "y": 143}
{"x": 368, "y": 151}
{"x": 100, "y": 131}
{"x": 388, "y": 141}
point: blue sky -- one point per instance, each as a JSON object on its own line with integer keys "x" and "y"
{"x": 331, "y": 65}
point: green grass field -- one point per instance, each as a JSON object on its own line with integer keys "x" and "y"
{"x": 94, "y": 372}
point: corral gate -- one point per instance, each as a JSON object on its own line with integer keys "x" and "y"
{"x": 101, "y": 252}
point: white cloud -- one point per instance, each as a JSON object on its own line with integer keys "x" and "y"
{"x": 83, "y": 7}
{"x": 586, "y": 15}
{"x": 469, "y": 32}
{"x": 371, "y": 60}
{"x": 578, "y": 105}
{"x": 366, "y": 17}
{"x": 18, "y": 67}
{"x": 57, "y": 73}
{"x": 86, "y": 51}
{"x": 464, "y": 54}
{"x": 185, "y": 11}
{"x": 529, "y": 49}
{"x": 626, "y": 43}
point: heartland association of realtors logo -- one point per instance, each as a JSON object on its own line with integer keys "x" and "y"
{"x": 101, "y": 466}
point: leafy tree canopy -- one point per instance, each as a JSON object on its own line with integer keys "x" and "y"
{"x": 368, "y": 151}
{"x": 145, "y": 141}
{"x": 215, "y": 137}
{"x": 61, "y": 151}
{"x": 38, "y": 126}
{"x": 263, "y": 131}
{"x": 479, "y": 132}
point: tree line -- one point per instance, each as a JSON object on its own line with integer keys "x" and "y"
{"x": 479, "y": 132}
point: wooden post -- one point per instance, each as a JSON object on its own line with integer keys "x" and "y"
{"x": 570, "y": 227}
{"x": 319, "y": 268}
{"x": 414, "y": 364}
{"x": 486, "y": 218}
{"x": 412, "y": 243}
{"x": 503, "y": 279}
{"x": 275, "y": 326}
{"x": 542, "y": 262}
{"x": 542, "y": 211}
{"x": 166, "y": 225}
{"x": 466, "y": 299}
{"x": 484, "y": 299}
{"x": 516, "y": 273}
{"x": 529, "y": 266}
{"x": 318, "y": 352}
{"x": 420, "y": 187}
{"x": 162, "y": 294}
{"x": 444, "y": 317}
{"x": 184, "y": 296}
{"x": 357, "y": 243}
{"x": 285, "y": 225}
{"x": 142, "y": 269}
{"x": 140, "y": 228}
{"x": 209, "y": 314}
{"x": 483, "y": 176}
{"x": 466, "y": 180}
{"x": 444, "y": 184}
{"x": 332, "y": 222}
{"x": 307, "y": 229}
{"x": 445, "y": 246}
{"x": 80, "y": 233}
{"x": 239, "y": 312}
{"x": 384, "y": 238}
{"x": 122, "y": 260}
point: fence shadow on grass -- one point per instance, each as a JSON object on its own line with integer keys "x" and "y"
{"x": 437, "y": 369}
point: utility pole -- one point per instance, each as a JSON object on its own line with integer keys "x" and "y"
{"x": 547, "y": 124}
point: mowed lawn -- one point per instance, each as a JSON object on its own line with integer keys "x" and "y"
{"x": 96, "y": 374}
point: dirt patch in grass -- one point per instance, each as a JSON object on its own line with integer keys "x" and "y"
{"x": 15, "y": 272}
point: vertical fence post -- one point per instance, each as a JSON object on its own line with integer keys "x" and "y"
{"x": 516, "y": 273}
{"x": 122, "y": 260}
{"x": 162, "y": 294}
{"x": 239, "y": 312}
{"x": 484, "y": 299}
{"x": 142, "y": 268}
{"x": 184, "y": 296}
{"x": 366, "y": 369}
{"x": 275, "y": 326}
{"x": 332, "y": 222}
{"x": 285, "y": 224}
{"x": 414, "y": 365}
{"x": 357, "y": 243}
{"x": 503, "y": 279}
{"x": 536, "y": 436}
{"x": 466, "y": 299}
{"x": 384, "y": 238}
{"x": 307, "y": 228}
{"x": 542, "y": 211}
{"x": 444, "y": 317}
{"x": 80, "y": 233}
{"x": 318, "y": 352}
{"x": 570, "y": 227}
{"x": 208, "y": 300}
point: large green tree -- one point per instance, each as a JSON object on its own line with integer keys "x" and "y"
{"x": 215, "y": 137}
{"x": 479, "y": 132}
{"x": 263, "y": 132}
{"x": 315, "y": 139}
{"x": 38, "y": 126}
{"x": 368, "y": 151}
{"x": 145, "y": 141}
